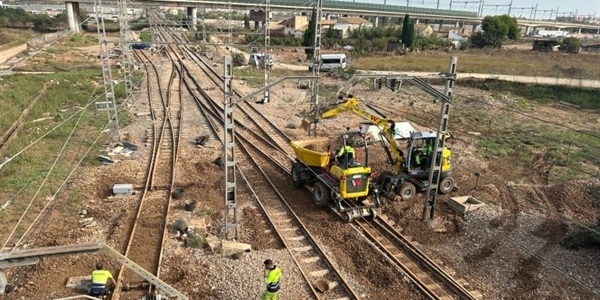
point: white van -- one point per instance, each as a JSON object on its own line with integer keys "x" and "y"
{"x": 329, "y": 62}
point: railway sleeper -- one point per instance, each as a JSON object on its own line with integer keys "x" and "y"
{"x": 311, "y": 259}
{"x": 319, "y": 273}
{"x": 303, "y": 249}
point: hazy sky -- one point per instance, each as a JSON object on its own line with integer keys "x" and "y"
{"x": 519, "y": 7}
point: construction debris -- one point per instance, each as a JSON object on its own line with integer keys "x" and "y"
{"x": 87, "y": 222}
{"x": 105, "y": 160}
{"x": 180, "y": 224}
{"x": 202, "y": 140}
{"x": 465, "y": 204}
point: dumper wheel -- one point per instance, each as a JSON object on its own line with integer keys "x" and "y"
{"x": 406, "y": 190}
{"x": 297, "y": 175}
{"x": 347, "y": 216}
{"x": 446, "y": 185}
{"x": 322, "y": 194}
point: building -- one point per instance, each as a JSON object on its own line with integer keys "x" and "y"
{"x": 295, "y": 26}
{"x": 423, "y": 30}
{"x": 346, "y": 24}
{"x": 457, "y": 37}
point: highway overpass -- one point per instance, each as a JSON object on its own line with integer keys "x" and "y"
{"x": 344, "y": 8}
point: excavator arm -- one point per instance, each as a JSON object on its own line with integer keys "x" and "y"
{"x": 395, "y": 155}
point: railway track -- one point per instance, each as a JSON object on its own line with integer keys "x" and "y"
{"x": 430, "y": 279}
{"x": 256, "y": 161}
{"x": 306, "y": 253}
{"x": 251, "y": 116}
{"x": 145, "y": 242}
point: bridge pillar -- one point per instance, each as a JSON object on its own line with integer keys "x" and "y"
{"x": 376, "y": 21}
{"x": 192, "y": 16}
{"x": 416, "y": 21}
{"x": 327, "y": 16}
{"x": 256, "y": 25}
{"x": 73, "y": 15}
{"x": 579, "y": 30}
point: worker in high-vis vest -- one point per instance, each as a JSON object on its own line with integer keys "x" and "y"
{"x": 99, "y": 279}
{"x": 345, "y": 155}
{"x": 272, "y": 278}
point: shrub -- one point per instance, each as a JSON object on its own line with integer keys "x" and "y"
{"x": 195, "y": 240}
{"x": 239, "y": 59}
{"x": 571, "y": 45}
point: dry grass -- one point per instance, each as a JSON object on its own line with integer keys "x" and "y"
{"x": 516, "y": 62}
{"x": 12, "y": 37}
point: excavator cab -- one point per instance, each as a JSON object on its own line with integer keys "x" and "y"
{"x": 421, "y": 148}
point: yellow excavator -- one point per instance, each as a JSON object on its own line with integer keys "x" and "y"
{"x": 412, "y": 169}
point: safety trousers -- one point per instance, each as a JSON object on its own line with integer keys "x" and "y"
{"x": 269, "y": 296}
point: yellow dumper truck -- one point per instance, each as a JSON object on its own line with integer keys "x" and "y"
{"x": 343, "y": 184}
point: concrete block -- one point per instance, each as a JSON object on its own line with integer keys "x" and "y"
{"x": 123, "y": 189}
{"x": 465, "y": 204}
{"x": 79, "y": 283}
{"x": 231, "y": 246}
{"x": 214, "y": 243}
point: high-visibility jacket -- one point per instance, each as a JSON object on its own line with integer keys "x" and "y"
{"x": 101, "y": 276}
{"x": 272, "y": 279}
{"x": 344, "y": 150}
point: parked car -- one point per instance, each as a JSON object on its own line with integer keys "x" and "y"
{"x": 258, "y": 59}
{"x": 140, "y": 46}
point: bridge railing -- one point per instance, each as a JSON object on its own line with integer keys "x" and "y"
{"x": 363, "y": 7}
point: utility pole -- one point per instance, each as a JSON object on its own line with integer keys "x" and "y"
{"x": 202, "y": 15}
{"x": 436, "y": 157}
{"x": 314, "y": 96}
{"x": 228, "y": 159}
{"x": 509, "y": 7}
{"x": 532, "y": 14}
{"x": 109, "y": 103}
{"x": 467, "y": 2}
{"x": 126, "y": 51}
{"x": 267, "y": 53}
{"x": 523, "y": 10}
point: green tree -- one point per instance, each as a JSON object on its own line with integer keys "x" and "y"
{"x": 514, "y": 31}
{"x": 571, "y": 45}
{"x": 495, "y": 30}
{"x": 308, "y": 38}
{"x": 43, "y": 23}
{"x": 246, "y": 22}
{"x": 408, "y": 32}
